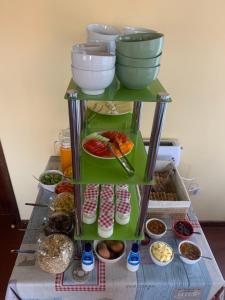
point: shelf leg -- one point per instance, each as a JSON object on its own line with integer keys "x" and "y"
{"x": 75, "y": 131}
{"x": 136, "y": 116}
{"x": 152, "y": 155}
{"x": 82, "y": 113}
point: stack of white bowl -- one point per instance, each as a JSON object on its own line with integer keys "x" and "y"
{"x": 93, "y": 67}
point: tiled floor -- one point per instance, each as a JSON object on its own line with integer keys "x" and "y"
{"x": 12, "y": 240}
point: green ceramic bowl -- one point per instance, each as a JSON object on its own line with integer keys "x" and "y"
{"x": 140, "y": 45}
{"x": 138, "y": 62}
{"x": 136, "y": 78}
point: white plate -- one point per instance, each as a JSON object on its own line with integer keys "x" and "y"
{"x": 103, "y": 107}
{"x": 101, "y": 157}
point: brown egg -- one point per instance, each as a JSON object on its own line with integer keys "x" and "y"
{"x": 117, "y": 247}
{"x": 103, "y": 250}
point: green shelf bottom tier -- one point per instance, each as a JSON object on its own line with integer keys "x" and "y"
{"x": 120, "y": 232}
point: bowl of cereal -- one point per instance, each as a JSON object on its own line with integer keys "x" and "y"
{"x": 161, "y": 253}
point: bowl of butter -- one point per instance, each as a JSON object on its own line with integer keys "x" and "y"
{"x": 161, "y": 253}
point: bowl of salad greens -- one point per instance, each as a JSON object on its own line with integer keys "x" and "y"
{"x": 50, "y": 178}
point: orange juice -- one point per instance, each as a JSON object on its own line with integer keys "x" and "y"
{"x": 65, "y": 155}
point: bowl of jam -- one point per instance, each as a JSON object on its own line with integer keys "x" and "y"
{"x": 183, "y": 229}
{"x": 190, "y": 253}
{"x": 155, "y": 228}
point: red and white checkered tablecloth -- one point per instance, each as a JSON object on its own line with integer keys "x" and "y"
{"x": 105, "y": 221}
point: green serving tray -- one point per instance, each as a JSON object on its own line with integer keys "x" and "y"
{"x": 120, "y": 232}
{"x": 117, "y": 92}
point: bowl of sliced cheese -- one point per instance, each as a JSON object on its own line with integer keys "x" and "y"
{"x": 161, "y": 253}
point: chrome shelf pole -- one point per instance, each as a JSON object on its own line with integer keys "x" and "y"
{"x": 152, "y": 155}
{"x": 74, "y": 106}
{"x": 136, "y": 116}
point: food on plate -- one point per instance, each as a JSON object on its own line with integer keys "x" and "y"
{"x": 110, "y": 107}
{"x": 98, "y": 144}
{"x": 59, "y": 222}
{"x": 64, "y": 202}
{"x": 110, "y": 249}
{"x": 162, "y": 251}
{"x": 50, "y": 178}
{"x": 190, "y": 251}
{"x": 183, "y": 228}
{"x": 68, "y": 172}
{"x": 55, "y": 253}
{"x": 156, "y": 227}
{"x": 64, "y": 186}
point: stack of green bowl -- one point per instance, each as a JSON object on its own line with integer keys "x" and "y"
{"x": 138, "y": 58}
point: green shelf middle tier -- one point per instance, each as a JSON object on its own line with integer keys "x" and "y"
{"x": 98, "y": 170}
{"x": 117, "y": 92}
{"x": 120, "y": 232}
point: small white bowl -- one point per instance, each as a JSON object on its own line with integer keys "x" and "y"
{"x": 103, "y": 33}
{"x": 153, "y": 235}
{"x": 156, "y": 261}
{"x": 51, "y": 187}
{"x": 88, "y": 48}
{"x": 94, "y": 60}
{"x": 187, "y": 260}
{"x": 93, "y": 82}
{"x": 109, "y": 261}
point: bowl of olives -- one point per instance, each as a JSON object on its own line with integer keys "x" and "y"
{"x": 183, "y": 229}
{"x": 109, "y": 251}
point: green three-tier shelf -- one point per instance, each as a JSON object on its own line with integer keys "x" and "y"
{"x": 88, "y": 169}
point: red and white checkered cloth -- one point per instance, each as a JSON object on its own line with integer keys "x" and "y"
{"x": 121, "y": 187}
{"x": 123, "y": 207}
{"x": 107, "y": 195}
{"x": 92, "y": 186}
{"x": 105, "y": 221}
{"x": 107, "y": 186}
{"x": 91, "y": 195}
{"x": 107, "y": 208}
{"x": 89, "y": 207}
{"x": 123, "y": 196}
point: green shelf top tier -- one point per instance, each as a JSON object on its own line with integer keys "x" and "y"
{"x": 98, "y": 170}
{"x": 117, "y": 92}
{"x": 120, "y": 232}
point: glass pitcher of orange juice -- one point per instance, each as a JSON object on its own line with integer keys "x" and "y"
{"x": 63, "y": 148}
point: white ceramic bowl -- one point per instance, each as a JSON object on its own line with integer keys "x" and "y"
{"x": 88, "y": 48}
{"x": 51, "y": 187}
{"x": 108, "y": 261}
{"x": 95, "y": 61}
{"x": 103, "y": 33}
{"x": 156, "y": 261}
{"x": 153, "y": 235}
{"x": 187, "y": 260}
{"x": 93, "y": 82}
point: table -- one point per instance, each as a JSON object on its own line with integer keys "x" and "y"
{"x": 108, "y": 282}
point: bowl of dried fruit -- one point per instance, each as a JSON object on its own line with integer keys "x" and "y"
{"x": 155, "y": 228}
{"x": 109, "y": 251}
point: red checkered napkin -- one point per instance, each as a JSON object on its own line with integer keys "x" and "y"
{"x": 105, "y": 221}
{"x": 123, "y": 207}
{"x": 107, "y": 208}
{"x": 123, "y": 196}
{"x": 122, "y": 187}
{"x": 107, "y": 195}
{"x": 89, "y": 207}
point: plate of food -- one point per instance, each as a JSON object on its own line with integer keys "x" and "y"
{"x": 112, "y": 108}
{"x": 104, "y": 144}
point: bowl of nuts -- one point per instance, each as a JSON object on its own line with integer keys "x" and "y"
{"x": 109, "y": 251}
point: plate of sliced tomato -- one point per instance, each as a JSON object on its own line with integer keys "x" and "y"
{"x": 96, "y": 144}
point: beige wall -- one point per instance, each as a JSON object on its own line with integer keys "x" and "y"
{"x": 35, "y": 42}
